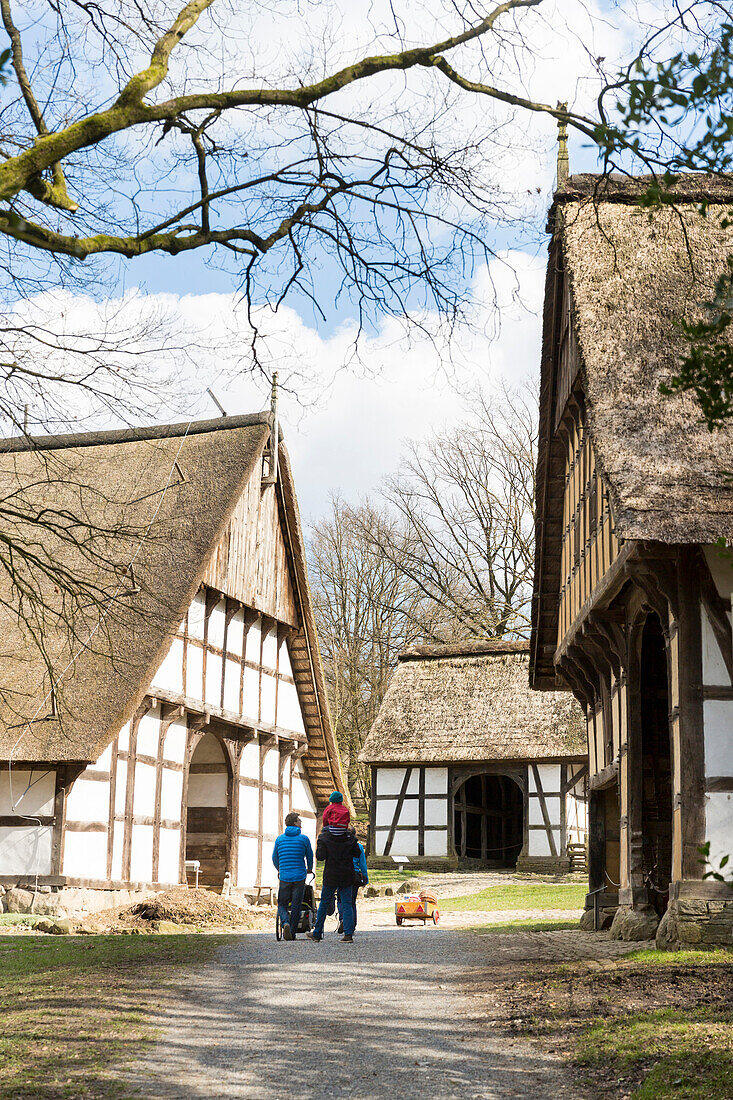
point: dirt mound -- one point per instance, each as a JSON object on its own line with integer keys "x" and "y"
{"x": 179, "y": 906}
{"x": 199, "y": 907}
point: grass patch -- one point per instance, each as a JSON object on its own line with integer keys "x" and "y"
{"x": 653, "y": 1026}
{"x": 531, "y": 896}
{"x": 687, "y": 1051}
{"x": 525, "y": 924}
{"x": 75, "y": 1008}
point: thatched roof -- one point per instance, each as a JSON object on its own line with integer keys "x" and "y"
{"x": 632, "y": 275}
{"x": 113, "y": 482}
{"x": 468, "y": 703}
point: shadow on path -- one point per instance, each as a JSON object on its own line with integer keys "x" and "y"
{"x": 386, "y": 1017}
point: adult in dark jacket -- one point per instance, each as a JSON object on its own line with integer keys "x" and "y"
{"x": 293, "y": 858}
{"x": 339, "y": 851}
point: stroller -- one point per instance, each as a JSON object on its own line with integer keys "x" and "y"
{"x": 307, "y": 910}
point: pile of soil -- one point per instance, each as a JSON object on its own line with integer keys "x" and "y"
{"x": 179, "y": 906}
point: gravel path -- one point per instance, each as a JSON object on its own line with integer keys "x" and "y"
{"x": 386, "y": 1017}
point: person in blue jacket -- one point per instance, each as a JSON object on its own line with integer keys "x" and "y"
{"x": 293, "y": 858}
{"x": 361, "y": 878}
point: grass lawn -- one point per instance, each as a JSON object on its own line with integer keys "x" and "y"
{"x": 524, "y": 924}
{"x": 656, "y": 1026}
{"x": 73, "y": 1008}
{"x": 531, "y": 896}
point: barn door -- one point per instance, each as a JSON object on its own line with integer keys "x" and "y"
{"x": 209, "y": 809}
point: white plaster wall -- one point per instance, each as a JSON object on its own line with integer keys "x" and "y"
{"x": 171, "y": 790}
{"x": 436, "y": 844}
{"x": 169, "y": 676}
{"x": 254, "y": 636}
{"x": 436, "y": 781}
{"x": 436, "y": 811}
{"x": 270, "y": 813}
{"x": 719, "y": 825}
{"x": 404, "y": 844}
{"x": 104, "y": 762}
{"x": 25, "y": 850}
{"x": 88, "y": 800}
{"x": 289, "y": 716}
{"x": 539, "y": 844}
{"x": 269, "y": 648}
{"x": 32, "y": 791}
{"x": 217, "y": 625}
{"x": 85, "y": 854}
{"x": 123, "y": 738}
{"x": 269, "y": 874}
{"x": 576, "y": 819}
{"x": 267, "y": 700}
{"x": 194, "y": 672}
{"x": 249, "y": 809}
{"x": 385, "y": 812}
{"x": 118, "y": 837}
{"x": 121, "y": 787}
{"x": 168, "y": 855}
{"x": 389, "y": 781}
{"x": 210, "y": 750}
{"x": 148, "y": 733}
{"x": 553, "y": 811}
{"x": 235, "y": 634}
{"x": 232, "y": 675}
{"x": 284, "y": 664}
{"x": 302, "y": 797}
{"x": 143, "y": 799}
{"x": 549, "y": 778}
{"x": 174, "y": 746}
{"x": 249, "y": 765}
{"x": 251, "y": 695}
{"x": 196, "y": 616}
{"x": 271, "y": 766}
{"x": 714, "y": 671}
{"x": 247, "y": 862}
{"x": 213, "y": 679}
{"x": 141, "y": 854}
{"x": 718, "y": 719}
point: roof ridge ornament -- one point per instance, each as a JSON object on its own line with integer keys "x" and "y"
{"x": 563, "y": 158}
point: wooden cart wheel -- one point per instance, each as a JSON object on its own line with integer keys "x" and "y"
{"x": 278, "y": 928}
{"x": 436, "y": 916}
{"x": 399, "y": 920}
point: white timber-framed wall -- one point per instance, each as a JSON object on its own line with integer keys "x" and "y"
{"x": 228, "y": 674}
{"x": 413, "y": 807}
{"x": 717, "y": 678}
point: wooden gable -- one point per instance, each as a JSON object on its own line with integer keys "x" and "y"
{"x": 251, "y": 562}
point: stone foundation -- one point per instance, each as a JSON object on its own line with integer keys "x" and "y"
{"x": 696, "y": 922}
{"x": 605, "y": 920}
{"x": 634, "y": 924}
{"x": 543, "y": 865}
{"x": 417, "y": 863}
{"x": 63, "y": 902}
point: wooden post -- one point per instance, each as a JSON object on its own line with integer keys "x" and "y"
{"x": 421, "y": 812}
{"x": 690, "y": 797}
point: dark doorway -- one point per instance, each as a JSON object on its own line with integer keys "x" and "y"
{"x": 489, "y": 820}
{"x": 656, "y": 758}
{"x": 208, "y": 811}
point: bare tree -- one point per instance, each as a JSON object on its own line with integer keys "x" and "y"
{"x": 464, "y": 501}
{"x": 367, "y": 610}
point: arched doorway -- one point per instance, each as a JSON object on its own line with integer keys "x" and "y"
{"x": 656, "y": 758}
{"x": 207, "y": 819}
{"x": 489, "y": 820}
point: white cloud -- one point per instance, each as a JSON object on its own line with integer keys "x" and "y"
{"x": 345, "y": 420}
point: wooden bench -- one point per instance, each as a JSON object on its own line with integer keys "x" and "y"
{"x": 268, "y": 890}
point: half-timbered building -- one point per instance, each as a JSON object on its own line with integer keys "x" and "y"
{"x": 632, "y": 600}
{"x": 469, "y": 765}
{"x": 173, "y": 712}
